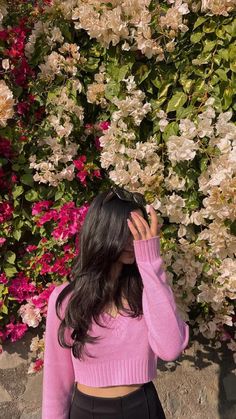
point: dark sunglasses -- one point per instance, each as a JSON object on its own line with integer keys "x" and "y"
{"x": 125, "y": 195}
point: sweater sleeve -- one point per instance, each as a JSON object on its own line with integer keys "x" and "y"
{"x": 58, "y": 372}
{"x": 168, "y": 334}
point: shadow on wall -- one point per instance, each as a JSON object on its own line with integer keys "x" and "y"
{"x": 202, "y": 358}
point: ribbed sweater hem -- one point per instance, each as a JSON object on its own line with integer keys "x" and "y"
{"x": 116, "y": 372}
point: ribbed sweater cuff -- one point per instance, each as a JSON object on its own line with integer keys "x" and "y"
{"x": 147, "y": 250}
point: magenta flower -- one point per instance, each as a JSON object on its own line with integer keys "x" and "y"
{"x": 40, "y": 206}
{"x": 2, "y": 240}
{"x": 79, "y": 163}
{"x": 3, "y": 279}
{"x": 31, "y": 247}
{"x": 21, "y": 289}
{"x": 41, "y": 300}
{"x": 51, "y": 215}
{"x": 6, "y": 211}
{"x": 104, "y": 125}
{"x": 97, "y": 143}
{"x": 15, "y": 331}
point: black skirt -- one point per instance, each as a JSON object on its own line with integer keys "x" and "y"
{"x": 142, "y": 403}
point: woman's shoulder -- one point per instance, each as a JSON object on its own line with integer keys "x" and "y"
{"x": 55, "y": 293}
{"x": 59, "y": 288}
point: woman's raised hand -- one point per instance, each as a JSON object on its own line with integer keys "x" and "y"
{"x": 140, "y": 228}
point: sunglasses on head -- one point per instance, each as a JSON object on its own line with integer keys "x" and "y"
{"x": 125, "y": 195}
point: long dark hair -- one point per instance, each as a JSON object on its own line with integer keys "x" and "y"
{"x": 102, "y": 238}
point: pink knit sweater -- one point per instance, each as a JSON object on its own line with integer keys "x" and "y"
{"x": 127, "y": 351}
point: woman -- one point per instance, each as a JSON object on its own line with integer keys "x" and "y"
{"x": 117, "y": 316}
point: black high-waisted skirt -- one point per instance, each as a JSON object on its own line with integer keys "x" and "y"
{"x": 142, "y": 403}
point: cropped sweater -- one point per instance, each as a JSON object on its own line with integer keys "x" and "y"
{"x": 128, "y": 349}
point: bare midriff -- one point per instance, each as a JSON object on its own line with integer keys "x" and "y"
{"x": 114, "y": 391}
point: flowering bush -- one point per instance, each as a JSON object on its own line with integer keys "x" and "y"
{"x": 136, "y": 93}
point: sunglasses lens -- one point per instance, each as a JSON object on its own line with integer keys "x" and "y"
{"x": 139, "y": 198}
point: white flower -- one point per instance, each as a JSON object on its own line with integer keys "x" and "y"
{"x": 6, "y": 103}
{"x": 30, "y": 314}
{"x": 5, "y": 64}
{"x": 181, "y": 148}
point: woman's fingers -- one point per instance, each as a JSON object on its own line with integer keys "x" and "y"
{"x": 133, "y": 230}
{"x": 155, "y": 228}
{"x": 142, "y": 226}
{"x": 139, "y": 227}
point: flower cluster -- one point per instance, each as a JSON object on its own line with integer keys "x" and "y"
{"x": 6, "y": 103}
{"x": 218, "y": 7}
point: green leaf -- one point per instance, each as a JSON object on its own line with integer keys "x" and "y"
{"x": 233, "y": 67}
{"x": 184, "y": 112}
{"x": 112, "y": 90}
{"x": 31, "y": 196}
{"x": 17, "y": 191}
{"x": 228, "y": 96}
{"x": 27, "y": 179}
{"x": 209, "y": 27}
{"x": 222, "y": 74}
{"x": 9, "y": 270}
{"x": 204, "y": 163}
{"x": 192, "y": 201}
{"x": 224, "y": 53}
{"x": 164, "y": 90}
{"x": 200, "y": 20}
{"x": 59, "y": 195}
{"x": 196, "y": 37}
{"x": 220, "y": 33}
{"x": 179, "y": 99}
{"x": 209, "y": 45}
{"x": 233, "y": 228}
{"x": 10, "y": 257}
{"x": 4, "y": 309}
{"x": 142, "y": 73}
{"x": 232, "y": 53}
{"x": 91, "y": 64}
{"x": 171, "y": 129}
{"x": 122, "y": 71}
{"x": 169, "y": 231}
{"x": 17, "y": 234}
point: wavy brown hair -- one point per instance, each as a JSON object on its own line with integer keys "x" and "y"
{"x": 102, "y": 238}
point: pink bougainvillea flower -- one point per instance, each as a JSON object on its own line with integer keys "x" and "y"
{"x": 3, "y": 279}
{"x": 104, "y": 125}
{"x": 97, "y": 143}
{"x": 6, "y": 211}
{"x": 35, "y": 366}
{"x": 2, "y": 240}
{"x": 14, "y": 178}
{"x": 41, "y": 300}
{"x": 48, "y": 216}
{"x": 31, "y": 247}
{"x": 69, "y": 221}
{"x": 79, "y": 163}
{"x": 21, "y": 289}
{"x": 3, "y": 335}
{"x": 38, "y": 364}
{"x": 6, "y": 148}
{"x": 82, "y": 177}
{"x": 96, "y": 173}
{"x": 22, "y": 108}
{"x": 15, "y": 331}
{"x": 40, "y": 206}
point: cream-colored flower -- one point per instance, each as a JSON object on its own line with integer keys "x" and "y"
{"x": 6, "y": 103}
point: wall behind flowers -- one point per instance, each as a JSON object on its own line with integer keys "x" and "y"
{"x": 137, "y": 93}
